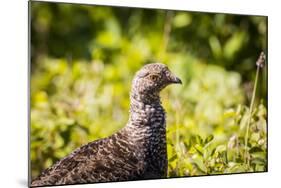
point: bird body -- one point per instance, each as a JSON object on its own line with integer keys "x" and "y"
{"x": 138, "y": 151}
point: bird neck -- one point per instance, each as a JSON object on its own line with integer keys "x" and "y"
{"x": 144, "y": 97}
{"x": 147, "y": 130}
{"x": 146, "y": 112}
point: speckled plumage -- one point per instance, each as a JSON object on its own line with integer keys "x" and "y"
{"x": 138, "y": 151}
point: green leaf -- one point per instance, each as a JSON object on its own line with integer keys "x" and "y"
{"x": 199, "y": 149}
{"x": 173, "y": 158}
{"x": 182, "y": 20}
{"x": 209, "y": 139}
{"x": 220, "y": 148}
{"x": 234, "y": 44}
{"x": 215, "y": 46}
{"x": 258, "y": 161}
{"x": 255, "y": 149}
{"x": 199, "y": 140}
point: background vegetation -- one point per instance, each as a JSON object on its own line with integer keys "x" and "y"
{"x": 83, "y": 59}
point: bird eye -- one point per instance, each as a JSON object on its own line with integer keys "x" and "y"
{"x": 154, "y": 77}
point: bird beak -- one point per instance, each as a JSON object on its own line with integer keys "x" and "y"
{"x": 175, "y": 80}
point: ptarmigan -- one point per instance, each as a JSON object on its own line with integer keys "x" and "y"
{"x": 138, "y": 151}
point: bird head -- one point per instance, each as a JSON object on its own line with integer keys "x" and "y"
{"x": 152, "y": 78}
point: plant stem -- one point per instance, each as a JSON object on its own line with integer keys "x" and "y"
{"x": 167, "y": 31}
{"x": 246, "y": 161}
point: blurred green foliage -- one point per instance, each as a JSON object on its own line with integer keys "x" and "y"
{"x": 83, "y": 59}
